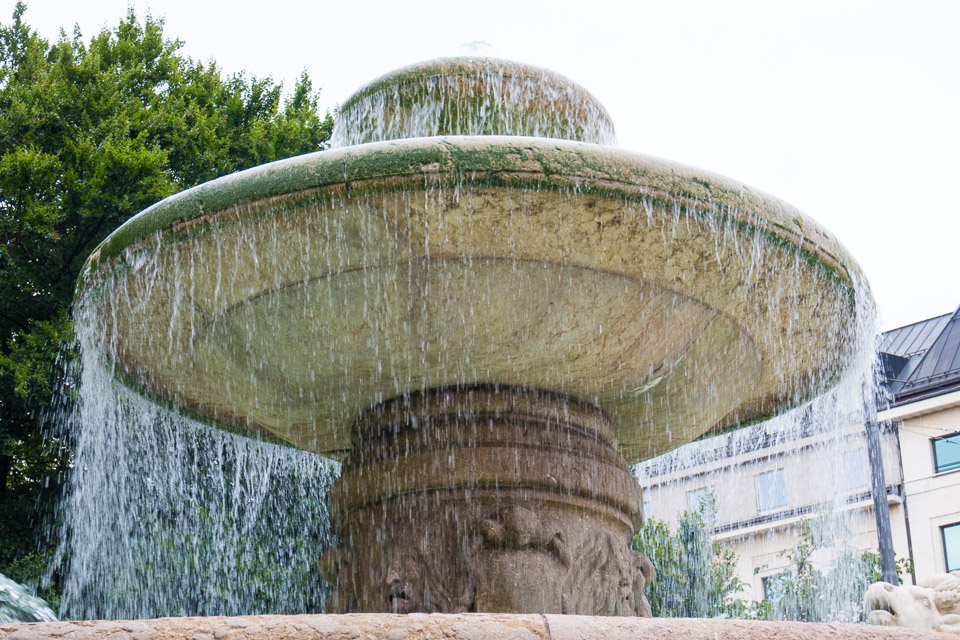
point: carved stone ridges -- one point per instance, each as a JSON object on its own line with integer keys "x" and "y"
{"x": 486, "y": 499}
{"x": 946, "y": 591}
{"x": 932, "y": 604}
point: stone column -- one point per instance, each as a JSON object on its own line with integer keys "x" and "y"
{"x": 486, "y": 498}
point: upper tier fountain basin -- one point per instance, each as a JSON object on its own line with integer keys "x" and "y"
{"x": 287, "y": 299}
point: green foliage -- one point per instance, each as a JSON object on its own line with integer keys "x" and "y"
{"x": 795, "y": 594}
{"x": 695, "y": 575}
{"x": 808, "y": 593}
{"x": 875, "y": 572}
{"x": 90, "y": 134}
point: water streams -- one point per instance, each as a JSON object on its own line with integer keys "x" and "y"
{"x": 166, "y": 516}
{"x": 825, "y": 519}
{"x": 461, "y": 100}
{"x": 172, "y": 517}
{"x": 283, "y": 302}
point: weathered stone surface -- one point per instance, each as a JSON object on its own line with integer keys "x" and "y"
{"x": 346, "y": 627}
{"x": 932, "y": 604}
{"x": 486, "y": 499}
{"x": 591, "y": 628}
{"x": 468, "y": 97}
{"x": 672, "y": 298}
{"x": 286, "y": 300}
{"x": 946, "y": 591}
{"x": 452, "y": 627}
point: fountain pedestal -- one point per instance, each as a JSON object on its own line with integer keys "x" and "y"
{"x": 486, "y": 498}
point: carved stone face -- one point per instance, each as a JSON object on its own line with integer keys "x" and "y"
{"x": 414, "y": 566}
{"x": 403, "y": 584}
{"x": 520, "y": 561}
{"x": 906, "y": 606}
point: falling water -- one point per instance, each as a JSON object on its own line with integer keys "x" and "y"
{"x": 284, "y": 314}
{"x": 166, "y": 516}
{"x": 169, "y": 516}
{"x": 472, "y": 102}
{"x": 818, "y": 445}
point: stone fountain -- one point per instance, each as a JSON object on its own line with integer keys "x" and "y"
{"x": 487, "y": 312}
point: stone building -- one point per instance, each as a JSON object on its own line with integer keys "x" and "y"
{"x": 769, "y": 477}
{"x": 921, "y": 364}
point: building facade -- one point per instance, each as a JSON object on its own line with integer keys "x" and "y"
{"x": 766, "y": 479}
{"x": 921, "y": 364}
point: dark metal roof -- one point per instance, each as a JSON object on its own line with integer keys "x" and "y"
{"x": 928, "y": 361}
{"x": 914, "y": 338}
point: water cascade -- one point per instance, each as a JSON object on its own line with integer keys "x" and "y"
{"x": 167, "y": 516}
{"x": 819, "y": 449}
{"x": 482, "y": 308}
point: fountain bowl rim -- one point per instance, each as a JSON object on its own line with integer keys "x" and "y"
{"x": 509, "y": 162}
{"x": 506, "y": 161}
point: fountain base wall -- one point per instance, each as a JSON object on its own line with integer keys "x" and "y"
{"x": 485, "y": 626}
{"x": 486, "y": 498}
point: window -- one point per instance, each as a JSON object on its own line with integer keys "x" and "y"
{"x": 699, "y": 498}
{"x": 646, "y": 510}
{"x": 775, "y": 586}
{"x": 852, "y": 471}
{"x": 951, "y": 546}
{"x": 946, "y": 453}
{"x": 771, "y": 490}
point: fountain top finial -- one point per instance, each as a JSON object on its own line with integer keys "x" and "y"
{"x": 472, "y": 96}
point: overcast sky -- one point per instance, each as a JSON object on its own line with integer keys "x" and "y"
{"x": 848, "y": 110}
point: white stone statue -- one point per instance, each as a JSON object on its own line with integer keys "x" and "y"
{"x": 932, "y": 604}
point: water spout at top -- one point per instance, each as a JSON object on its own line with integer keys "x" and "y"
{"x": 472, "y": 96}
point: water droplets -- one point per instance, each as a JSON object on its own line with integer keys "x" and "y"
{"x": 468, "y": 97}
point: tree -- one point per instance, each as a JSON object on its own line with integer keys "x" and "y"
{"x": 807, "y": 592}
{"x": 90, "y": 134}
{"x": 696, "y": 575}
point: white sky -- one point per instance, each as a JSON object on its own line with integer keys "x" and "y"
{"x": 850, "y": 110}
